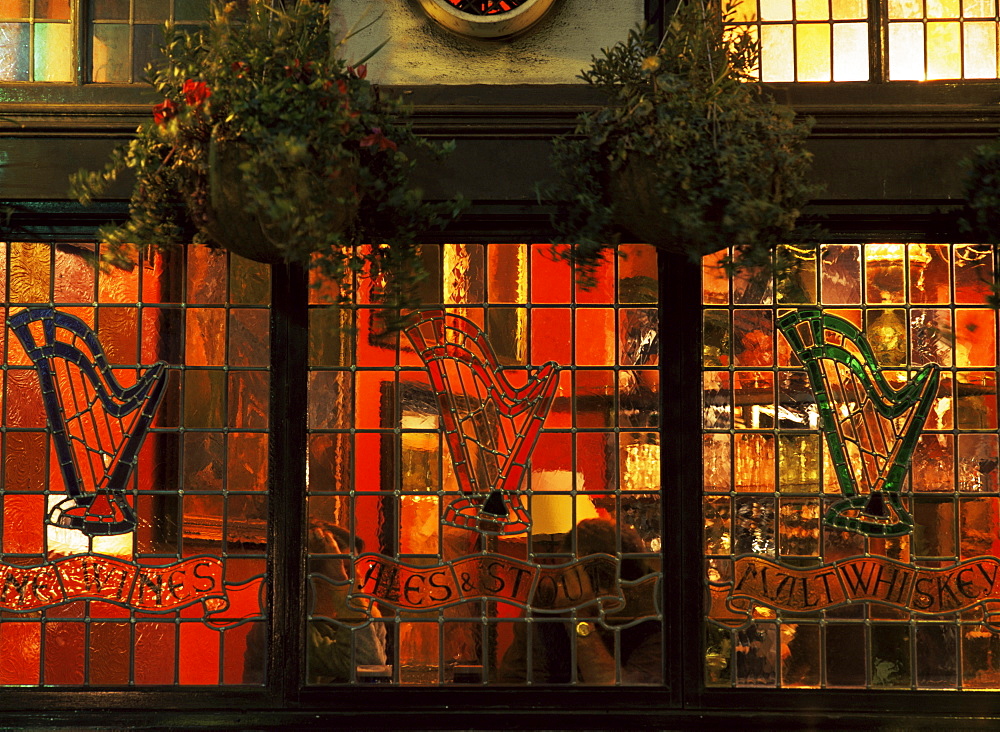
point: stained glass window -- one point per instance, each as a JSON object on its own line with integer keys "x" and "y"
{"x": 483, "y": 495}
{"x": 36, "y": 40}
{"x": 134, "y": 450}
{"x": 850, "y": 480}
{"x": 125, "y": 35}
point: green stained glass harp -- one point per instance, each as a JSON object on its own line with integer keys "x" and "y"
{"x": 871, "y": 428}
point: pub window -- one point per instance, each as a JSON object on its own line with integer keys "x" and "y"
{"x": 850, "y": 503}
{"x": 135, "y": 433}
{"x": 483, "y": 487}
{"x": 40, "y": 42}
{"x": 854, "y": 40}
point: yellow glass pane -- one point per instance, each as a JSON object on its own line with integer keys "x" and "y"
{"x": 942, "y": 8}
{"x": 944, "y": 51}
{"x": 906, "y": 51}
{"x": 905, "y": 9}
{"x": 981, "y": 50}
{"x": 812, "y": 50}
{"x": 53, "y": 52}
{"x": 850, "y": 52}
{"x": 849, "y": 9}
{"x": 743, "y": 11}
{"x": 979, "y": 8}
{"x": 775, "y": 9}
{"x": 812, "y": 10}
{"x": 777, "y": 56}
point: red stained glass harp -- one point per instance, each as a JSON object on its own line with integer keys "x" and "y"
{"x": 489, "y": 514}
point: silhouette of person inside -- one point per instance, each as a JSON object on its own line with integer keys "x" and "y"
{"x": 341, "y": 636}
{"x": 639, "y": 647}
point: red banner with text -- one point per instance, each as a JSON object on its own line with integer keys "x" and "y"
{"x": 146, "y": 588}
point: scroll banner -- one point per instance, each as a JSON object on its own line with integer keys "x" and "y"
{"x": 543, "y": 588}
{"x": 146, "y": 588}
{"x": 921, "y": 590}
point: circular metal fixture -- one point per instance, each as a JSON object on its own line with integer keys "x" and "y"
{"x": 487, "y": 18}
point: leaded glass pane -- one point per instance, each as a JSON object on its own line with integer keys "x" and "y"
{"x": 126, "y": 35}
{"x": 485, "y": 482}
{"x": 135, "y": 469}
{"x": 855, "y": 543}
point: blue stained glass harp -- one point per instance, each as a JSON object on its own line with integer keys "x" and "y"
{"x": 97, "y": 425}
{"x": 871, "y": 428}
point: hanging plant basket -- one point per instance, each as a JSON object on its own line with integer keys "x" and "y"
{"x": 689, "y": 154}
{"x": 638, "y": 209}
{"x": 269, "y": 144}
{"x": 229, "y": 219}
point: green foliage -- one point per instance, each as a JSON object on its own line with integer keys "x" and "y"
{"x": 719, "y": 162}
{"x": 324, "y": 161}
{"x": 982, "y": 196}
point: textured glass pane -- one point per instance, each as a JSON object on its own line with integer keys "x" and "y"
{"x": 757, "y": 656}
{"x": 110, "y": 9}
{"x": 944, "y": 51}
{"x": 110, "y": 54}
{"x": 849, "y": 9}
{"x": 973, "y": 269}
{"x": 14, "y": 9}
{"x": 812, "y": 53}
{"x": 591, "y": 343}
{"x": 905, "y": 9}
{"x": 717, "y": 400}
{"x": 778, "y": 55}
{"x": 52, "y": 9}
{"x": 14, "y": 51}
{"x": 146, "y": 43}
{"x": 942, "y": 8}
{"x": 776, "y": 10}
{"x": 743, "y": 11}
{"x": 980, "y": 50}
{"x": 205, "y": 393}
{"x": 979, "y": 8}
{"x": 203, "y": 346}
{"x": 906, "y": 51}
{"x": 850, "y": 52}
{"x": 188, "y": 10}
{"x": 812, "y": 10}
{"x": 800, "y": 656}
{"x": 151, "y": 11}
{"x": 248, "y": 399}
{"x": 249, "y": 281}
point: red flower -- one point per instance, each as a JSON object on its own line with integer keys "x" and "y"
{"x": 196, "y": 92}
{"x": 360, "y": 71}
{"x": 377, "y": 138}
{"x": 164, "y": 111}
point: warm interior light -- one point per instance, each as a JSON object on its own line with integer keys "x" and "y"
{"x": 814, "y": 41}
